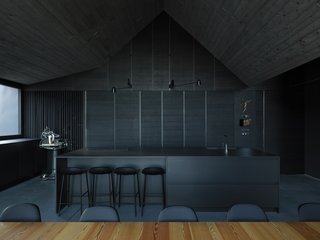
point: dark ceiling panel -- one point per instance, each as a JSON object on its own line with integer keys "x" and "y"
{"x": 42, "y": 40}
{"x": 256, "y": 40}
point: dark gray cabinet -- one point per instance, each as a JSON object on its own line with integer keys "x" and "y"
{"x": 20, "y": 159}
{"x": 218, "y": 182}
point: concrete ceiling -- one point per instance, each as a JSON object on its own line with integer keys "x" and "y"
{"x": 257, "y": 40}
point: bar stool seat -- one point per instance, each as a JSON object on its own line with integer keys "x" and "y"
{"x": 98, "y": 171}
{"x": 128, "y": 171}
{"x": 101, "y": 170}
{"x": 68, "y": 173}
{"x": 153, "y": 171}
{"x": 73, "y": 171}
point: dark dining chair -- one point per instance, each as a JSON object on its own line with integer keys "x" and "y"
{"x": 23, "y": 212}
{"x": 245, "y": 212}
{"x": 100, "y": 214}
{"x": 177, "y": 214}
{"x": 309, "y": 212}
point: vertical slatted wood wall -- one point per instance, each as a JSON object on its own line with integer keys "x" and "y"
{"x": 61, "y": 111}
{"x": 180, "y": 119}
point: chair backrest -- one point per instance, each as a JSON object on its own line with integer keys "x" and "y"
{"x": 100, "y": 214}
{"x": 246, "y": 213}
{"x": 23, "y": 212}
{"x": 309, "y": 212}
{"x": 178, "y": 214}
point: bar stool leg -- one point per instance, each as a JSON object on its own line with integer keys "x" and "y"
{"x": 163, "y": 192}
{"x": 119, "y": 203}
{"x": 114, "y": 190}
{"x": 88, "y": 192}
{"x": 144, "y": 190}
{"x": 93, "y": 189}
{"x": 110, "y": 189}
{"x": 68, "y": 191}
{"x": 60, "y": 198}
{"x": 139, "y": 197}
{"x": 80, "y": 176}
{"x": 144, "y": 194}
{"x": 135, "y": 195}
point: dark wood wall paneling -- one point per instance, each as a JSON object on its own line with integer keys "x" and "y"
{"x": 285, "y": 128}
{"x": 311, "y": 85}
{"x": 151, "y": 133}
{"x": 173, "y": 119}
{"x": 284, "y": 121}
{"x": 195, "y": 119}
{"x": 181, "y": 55}
{"x": 155, "y": 119}
{"x": 220, "y": 118}
{"x": 312, "y": 129}
{"x": 99, "y": 119}
{"x": 162, "y": 51}
{"x": 119, "y": 69}
{"x": 127, "y": 119}
{"x": 61, "y": 111}
{"x": 161, "y": 61}
{"x": 142, "y": 64}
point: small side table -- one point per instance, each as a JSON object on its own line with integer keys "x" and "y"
{"x": 53, "y": 155}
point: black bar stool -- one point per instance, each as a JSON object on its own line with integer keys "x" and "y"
{"x": 153, "y": 171}
{"x": 95, "y": 173}
{"x": 128, "y": 171}
{"x": 68, "y": 173}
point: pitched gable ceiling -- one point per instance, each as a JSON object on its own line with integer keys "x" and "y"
{"x": 45, "y": 39}
{"x": 256, "y": 40}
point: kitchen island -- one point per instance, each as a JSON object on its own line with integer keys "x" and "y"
{"x": 205, "y": 179}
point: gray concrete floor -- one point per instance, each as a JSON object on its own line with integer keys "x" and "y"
{"x": 294, "y": 190}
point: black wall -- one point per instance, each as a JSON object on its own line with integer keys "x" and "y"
{"x": 181, "y": 119}
{"x": 311, "y": 86}
{"x": 312, "y": 129}
{"x": 284, "y": 120}
{"x": 61, "y": 111}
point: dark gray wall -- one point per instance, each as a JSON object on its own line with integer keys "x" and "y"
{"x": 284, "y": 121}
{"x": 312, "y": 129}
{"x": 220, "y": 116}
{"x": 100, "y": 119}
{"x": 195, "y": 119}
{"x": 180, "y": 119}
{"x": 159, "y": 53}
{"x": 127, "y": 118}
{"x": 61, "y": 111}
{"x": 311, "y": 84}
{"x": 151, "y": 125}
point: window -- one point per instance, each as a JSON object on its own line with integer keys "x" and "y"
{"x": 10, "y": 111}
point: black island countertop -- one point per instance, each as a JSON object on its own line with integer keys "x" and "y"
{"x": 99, "y": 152}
